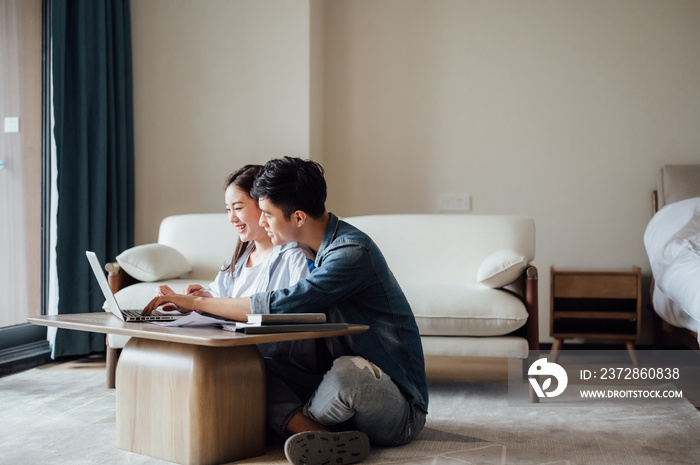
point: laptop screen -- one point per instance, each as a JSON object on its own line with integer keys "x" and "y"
{"x": 104, "y": 285}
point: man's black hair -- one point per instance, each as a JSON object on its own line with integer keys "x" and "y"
{"x": 293, "y": 184}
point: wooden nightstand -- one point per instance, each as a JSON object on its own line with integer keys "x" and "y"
{"x": 600, "y": 304}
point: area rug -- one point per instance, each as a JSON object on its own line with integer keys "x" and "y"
{"x": 68, "y": 417}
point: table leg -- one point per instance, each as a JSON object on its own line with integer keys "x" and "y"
{"x": 191, "y": 404}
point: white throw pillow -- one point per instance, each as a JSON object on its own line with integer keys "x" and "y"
{"x": 501, "y": 268}
{"x": 153, "y": 262}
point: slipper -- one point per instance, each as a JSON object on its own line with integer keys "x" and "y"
{"x": 321, "y": 448}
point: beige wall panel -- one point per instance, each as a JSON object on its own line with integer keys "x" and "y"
{"x": 563, "y": 111}
{"x": 217, "y": 84}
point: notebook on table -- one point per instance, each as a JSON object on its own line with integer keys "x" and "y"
{"x": 283, "y": 328}
{"x": 124, "y": 315}
{"x": 283, "y": 323}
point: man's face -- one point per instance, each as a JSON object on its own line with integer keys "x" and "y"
{"x": 280, "y": 229}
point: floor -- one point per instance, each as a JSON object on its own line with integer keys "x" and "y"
{"x": 437, "y": 368}
{"x": 449, "y": 369}
{"x": 90, "y": 362}
{"x": 467, "y": 418}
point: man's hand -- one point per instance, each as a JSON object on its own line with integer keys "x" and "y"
{"x": 164, "y": 289}
{"x": 194, "y": 290}
{"x": 232, "y": 308}
{"x": 183, "y": 303}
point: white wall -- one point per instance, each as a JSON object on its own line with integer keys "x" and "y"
{"x": 317, "y": 49}
{"x": 217, "y": 84}
{"x": 560, "y": 110}
{"x": 563, "y": 110}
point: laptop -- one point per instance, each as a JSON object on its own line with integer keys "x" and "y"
{"x": 124, "y": 315}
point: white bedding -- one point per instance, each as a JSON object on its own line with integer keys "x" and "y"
{"x": 672, "y": 241}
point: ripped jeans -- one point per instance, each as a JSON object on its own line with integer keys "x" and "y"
{"x": 353, "y": 394}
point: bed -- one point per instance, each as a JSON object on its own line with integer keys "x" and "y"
{"x": 672, "y": 242}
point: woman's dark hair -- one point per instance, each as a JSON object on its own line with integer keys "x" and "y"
{"x": 293, "y": 184}
{"x": 244, "y": 179}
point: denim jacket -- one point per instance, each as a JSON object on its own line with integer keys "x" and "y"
{"x": 352, "y": 283}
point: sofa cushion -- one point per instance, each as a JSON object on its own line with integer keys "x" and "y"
{"x": 469, "y": 310}
{"x": 501, "y": 268}
{"x": 153, "y": 262}
{"x": 409, "y": 245}
{"x": 500, "y": 347}
{"x": 206, "y": 240}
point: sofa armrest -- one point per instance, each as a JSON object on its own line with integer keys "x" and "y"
{"x": 118, "y": 278}
{"x": 532, "y": 304}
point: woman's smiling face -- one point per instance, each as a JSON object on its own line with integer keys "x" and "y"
{"x": 244, "y": 214}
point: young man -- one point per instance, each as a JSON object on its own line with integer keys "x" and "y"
{"x": 372, "y": 382}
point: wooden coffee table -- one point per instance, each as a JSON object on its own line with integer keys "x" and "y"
{"x": 188, "y": 395}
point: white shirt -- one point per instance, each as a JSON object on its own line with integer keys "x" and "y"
{"x": 246, "y": 283}
{"x": 285, "y": 266}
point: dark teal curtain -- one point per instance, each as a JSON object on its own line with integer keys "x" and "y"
{"x": 93, "y": 113}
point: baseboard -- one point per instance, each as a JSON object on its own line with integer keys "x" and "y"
{"x": 23, "y": 357}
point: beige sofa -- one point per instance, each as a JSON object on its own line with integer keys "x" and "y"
{"x": 468, "y": 278}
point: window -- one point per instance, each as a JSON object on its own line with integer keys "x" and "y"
{"x": 24, "y": 180}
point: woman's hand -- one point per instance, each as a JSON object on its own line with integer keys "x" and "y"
{"x": 182, "y": 303}
{"x": 197, "y": 291}
{"x": 164, "y": 289}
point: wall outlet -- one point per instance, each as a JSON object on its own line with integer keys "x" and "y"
{"x": 455, "y": 203}
{"x": 11, "y": 124}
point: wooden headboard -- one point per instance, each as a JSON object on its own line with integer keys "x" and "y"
{"x": 675, "y": 183}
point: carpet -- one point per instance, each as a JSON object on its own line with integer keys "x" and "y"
{"x": 68, "y": 417}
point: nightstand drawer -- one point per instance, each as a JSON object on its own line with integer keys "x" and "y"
{"x": 595, "y": 286}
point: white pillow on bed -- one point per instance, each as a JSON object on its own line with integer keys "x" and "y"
{"x": 672, "y": 240}
{"x": 153, "y": 262}
{"x": 668, "y": 228}
{"x": 501, "y": 268}
{"x": 681, "y": 280}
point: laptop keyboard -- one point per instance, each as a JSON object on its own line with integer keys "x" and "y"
{"x": 132, "y": 313}
{"x": 136, "y": 314}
